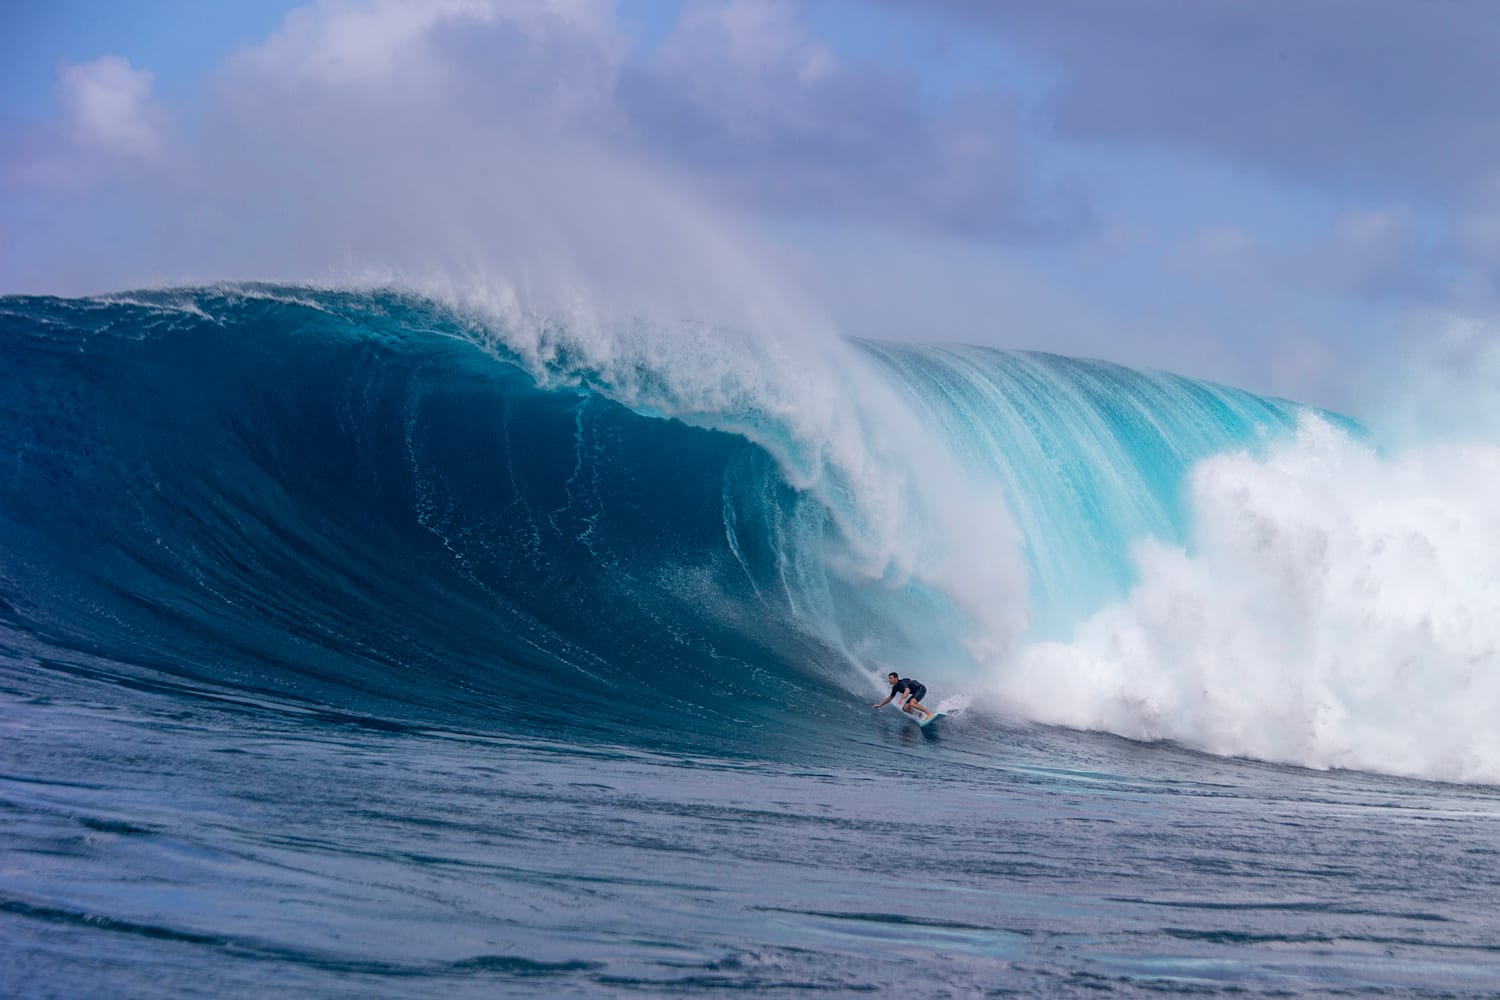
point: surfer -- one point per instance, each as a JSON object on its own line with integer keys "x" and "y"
{"x": 915, "y": 691}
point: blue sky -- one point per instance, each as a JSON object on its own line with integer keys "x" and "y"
{"x": 181, "y": 42}
{"x": 1270, "y": 193}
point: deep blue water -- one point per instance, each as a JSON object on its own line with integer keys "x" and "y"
{"x": 352, "y": 646}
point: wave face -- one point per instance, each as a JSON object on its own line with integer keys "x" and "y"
{"x": 378, "y": 504}
{"x": 1092, "y": 456}
{"x": 344, "y": 499}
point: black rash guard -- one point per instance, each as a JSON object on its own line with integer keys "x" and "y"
{"x": 915, "y": 688}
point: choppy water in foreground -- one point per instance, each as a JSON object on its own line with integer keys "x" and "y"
{"x": 190, "y": 843}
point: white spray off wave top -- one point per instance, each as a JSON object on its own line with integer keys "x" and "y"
{"x": 909, "y": 516}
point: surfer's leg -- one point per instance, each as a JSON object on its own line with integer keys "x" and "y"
{"x": 918, "y": 706}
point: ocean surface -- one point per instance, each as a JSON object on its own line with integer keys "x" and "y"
{"x": 354, "y": 644}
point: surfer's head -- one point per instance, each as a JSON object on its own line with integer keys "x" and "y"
{"x": 893, "y": 676}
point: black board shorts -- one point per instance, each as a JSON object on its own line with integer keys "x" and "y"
{"x": 917, "y": 692}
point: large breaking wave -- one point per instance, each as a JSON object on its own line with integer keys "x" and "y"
{"x": 376, "y": 503}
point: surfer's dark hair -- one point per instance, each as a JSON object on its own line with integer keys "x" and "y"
{"x": 894, "y": 674}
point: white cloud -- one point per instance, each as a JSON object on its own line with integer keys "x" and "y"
{"x": 463, "y": 148}
{"x": 369, "y": 133}
{"x": 107, "y": 106}
{"x": 342, "y": 42}
{"x": 546, "y": 65}
{"x": 747, "y": 100}
{"x": 747, "y": 63}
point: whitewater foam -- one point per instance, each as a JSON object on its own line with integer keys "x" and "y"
{"x": 1333, "y": 607}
